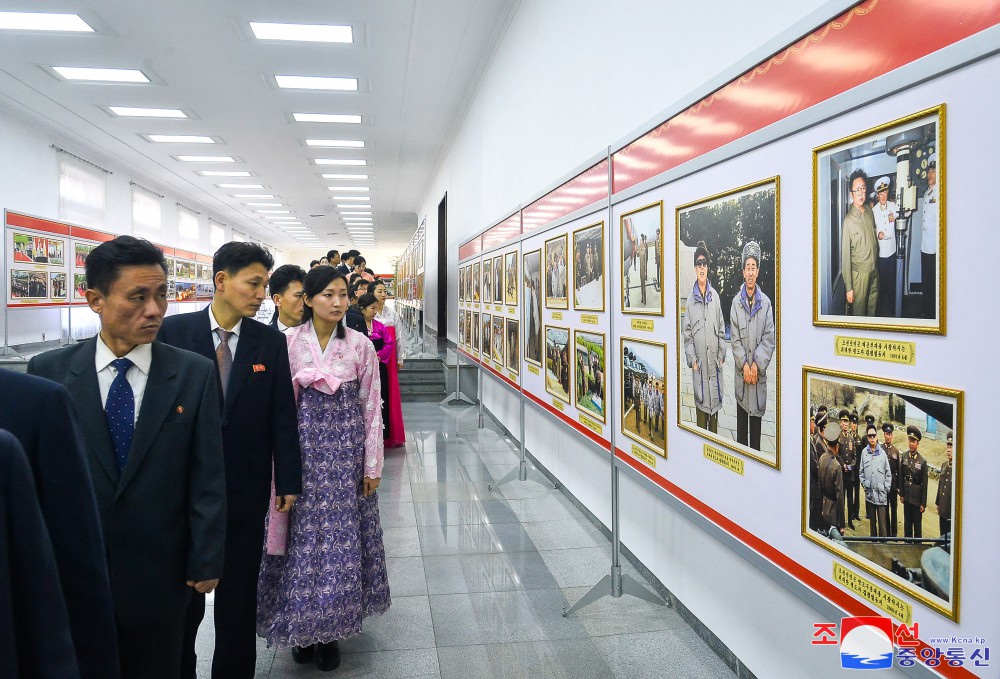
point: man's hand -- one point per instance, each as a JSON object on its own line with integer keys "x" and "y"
{"x": 746, "y": 373}
{"x": 694, "y": 366}
{"x": 753, "y": 373}
{"x": 850, "y": 297}
{"x": 203, "y": 586}
{"x": 370, "y": 485}
{"x": 284, "y": 503}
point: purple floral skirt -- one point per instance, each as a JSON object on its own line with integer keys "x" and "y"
{"x": 334, "y": 571}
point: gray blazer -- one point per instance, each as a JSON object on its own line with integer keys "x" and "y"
{"x": 164, "y": 518}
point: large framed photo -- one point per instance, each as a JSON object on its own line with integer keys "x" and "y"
{"x": 558, "y": 365}
{"x": 510, "y": 278}
{"x": 591, "y": 377}
{"x": 531, "y": 264}
{"x": 57, "y": 285}
{"x": 475, "y": 282}
{"x": 461, "y": 284}
{"x": 487, "y": 281}
{"x": 498, "y": 279}
{"x": 498, "y": 340}
{"x": 475, "y": 332}
{"x": 642, "y": 260}
{"x": 487, "y": 336}
{"x": 902, "y": 465}
{"x": 727, "y": 319}
{"x": 461, "y": 327}
{"x": 513, "y": 361}
{"x": 588, "y": 268}
{"x": 879, "y": 227}
{"x": 643, "y": 393}
{"x": 468, "y": 328}
{"x": 556, "y": 273}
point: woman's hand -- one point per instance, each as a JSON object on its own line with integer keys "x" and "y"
{"x": 370, "y": 486}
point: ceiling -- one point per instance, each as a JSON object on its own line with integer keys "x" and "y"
{"x": 417, "y": 62}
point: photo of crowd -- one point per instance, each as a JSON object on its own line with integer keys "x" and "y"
{"x": 558, "y": 367}
{"x": 588, "y": 268}
{"x": 591, "y": 377}
{"x": 643, "y": 393}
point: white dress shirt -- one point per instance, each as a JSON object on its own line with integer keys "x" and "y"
{"x": 141, "y": 357}
{"x": 234, "y": 339}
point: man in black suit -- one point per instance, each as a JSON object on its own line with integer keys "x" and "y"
{"x": 285, "y": 288}
{"x": 259, "y": 432}
{"x": 42, "y": 417}
{"x": 150, "y": 419}
{"x": 347, "y": 262}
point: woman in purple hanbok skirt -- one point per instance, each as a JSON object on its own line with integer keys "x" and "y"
{"x": 333, "y": 573}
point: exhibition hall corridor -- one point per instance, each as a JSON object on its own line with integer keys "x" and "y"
{"x": 479, "y": 578}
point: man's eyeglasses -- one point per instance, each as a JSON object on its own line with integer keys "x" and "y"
{"x": 860, "y": 190}
{"x": 701, "y": 262}
{"x": 873, "y": 436}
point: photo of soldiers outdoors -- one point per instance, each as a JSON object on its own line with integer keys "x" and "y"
{"x": 558, "y": 365}
{"x": 896, "y": 447}
{"x": 531, "y": 266}
{"x": 644, "y": 393}
{"x": 642, "y": 260}
{"x": 588, "y": 268}
{"x": 727, "y": 319}
{"x": 510, "y": 275}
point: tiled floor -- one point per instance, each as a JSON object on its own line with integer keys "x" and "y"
{"x": 479, "y": 579}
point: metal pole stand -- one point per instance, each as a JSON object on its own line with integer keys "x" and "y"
{"x": 615, "y": 584}
{"x": 457, "y": 398}
{"x": 523, "y": 472}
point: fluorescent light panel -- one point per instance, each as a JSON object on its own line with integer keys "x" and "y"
{"x": 336, "y": 143}
{"x": 327, "y": 118}
{"x": 240, "y": 186}
{"x": 179, "y": 139}
{"x": 342, "y": 189}
{"x": 343, "y": 162}
{"x": 352, "y": 205}
{"x": 43, "y": 21}
{"x": 263, "y": 204}
{"x": 302, "y": 32}
{"x": 224, "y": 173}
{"x": 275, "y": 212}
{"x": 207, "y": 159}
{"x": 111, "y": 75}
{"x": 344, "y": 176}
{"x": 354, "y": 198}
{"x": 313, "y": 82}
{"x": 356, "y": 214}
{"x": 135, "y": 112}
{"x": 253, "y": 195}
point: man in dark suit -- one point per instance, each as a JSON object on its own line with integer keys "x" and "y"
{"x": 150, "y": 419}
{"x": 259, "y": 432}
{"x": 42, "y": 417}
{"x": 347, "y": 262}
{"x": 285, "y": 288}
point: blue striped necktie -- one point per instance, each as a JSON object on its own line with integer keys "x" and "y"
{"x": 120, "y": 412}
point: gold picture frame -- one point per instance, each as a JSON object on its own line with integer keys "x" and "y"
{"x": 475, "y": 282}
{"x": 727, "y": 222}
{"x": 646, "y": 360}
{"x": 558, "y": 366}
{"x": 531, "y": 276}
{"x": 908, "y": 155}
{"x": 475, "y": 332}
{"x": 646, "y": 221}
{"x": 556, "y": 275}
{"x": 582, "y": 369}
{"x": 498, "y": 279}
{"x": 589, "y": 267}
{"x": 487, "y": 280}
{"x": 498, "y": 340}
{"x": 486, "y": 339}
{"x": 512, "y": 346}
{"x": 936, "y": 412}
{"x": 510, "y": 278}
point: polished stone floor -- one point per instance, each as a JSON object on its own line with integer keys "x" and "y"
{"x": 479, "y": 578}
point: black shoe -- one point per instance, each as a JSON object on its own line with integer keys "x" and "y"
{"x": 328, "y": 657}
{"x": 851, "y": 526}
{"x": 303, "y": 654}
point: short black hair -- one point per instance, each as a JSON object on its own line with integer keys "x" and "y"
{"x": 313, "y": 263}
{"x": 106, "y": 261}
{"x": 350, "y": 253}
{"x": 857, "y": 174}
{"x": 354, "y": 288}
{"x": 366, "y": 300}
{"x": 284, "y": 276}
{"x": 235, "y": 256}
{"x": 374, "y": 284}
{"x": 369, "y": 271}
{"x": 360, "y": 260}
{"x": 332, "y": 253}
{"x": 316, "y": 281}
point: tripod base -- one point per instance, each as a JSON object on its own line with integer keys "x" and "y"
{"x": 457, "y": 399}
{"x": 522, "y": 473}
{"x": 614, "y": 585}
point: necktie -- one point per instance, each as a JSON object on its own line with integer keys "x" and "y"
{"x": 224, "y": 358}
{"x": 120, "y": 412}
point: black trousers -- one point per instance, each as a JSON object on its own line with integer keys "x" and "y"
{"x": 747, "y": 428}
{"x": 928, "y": 283}
{"x": 151, "y": 650}
{"x": 235, "y": 600}
{"x": 852, "y": 489}
{"x": 893, "y": 524}
{"x": 912, "y": 521}
{"x": 886, "y": 305}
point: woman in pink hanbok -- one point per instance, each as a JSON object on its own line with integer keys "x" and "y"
{"x": 333, "y": 572}
{"x": 387, "y": 316}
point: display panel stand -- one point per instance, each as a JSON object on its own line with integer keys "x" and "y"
{"x": 523, "y": 472}
{"x": 457, "y": 398}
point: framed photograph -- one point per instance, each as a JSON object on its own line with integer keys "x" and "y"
{"x": 903, "y": 465}
{"x": 487, "y": 349}
{"x": 531, "y": 264}
{"x": 38, "y": 285}
{"x": 461, "y": 327}
{"x": 588, "y": 268}
{"x": 56, "y": 251}
{"x": 204, "y": 272}
{"x": 487, "y": 280}
{"x": 510, "y": 276}
{"x": 185, "y": 291}
{"x": 879, "y": 227}
{"x": 57, "y": 285}
{"x": 468, "y": 327}
{"x": 475, "y": 282}
{"x": 24, "y": 249}
{"x": 80, "y": 286}
{"x": 19, "y": 284}
{"x": 591, "y": 377}
{"x": 204, "y": 292}
{"x": 84, "y": 249}
{"x": 558, "y": 364}
{"x": 498, "y": 279}
{"x": 475, "y": 332}
{"x": 642, "y": 260}
{"x": 556, "y": 273}
{"x": 461, "y": 284}
{"x": 498, "y": 340}
{"x": 171, "y": 266}
{"x": 643, "y": 393}
{"x": 171, "y": 290}
{"x": 727, "y": 319}
{"x": 513, "y": 361}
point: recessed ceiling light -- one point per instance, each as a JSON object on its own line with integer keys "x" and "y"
{"x": 263, "y": 204}
{"x": 240, "y": 186}
{"x": 327, "y": 118}
{"x": 344, "y": 176}
{"x": 43, "y": 21}
{"x": 336, "y": 143}
{"x": 350, "y": 205}
{"x": 223, "y": 173}
{"x": 179, "y": 139}
{"x": 313, "y": 82}
{"x": 111, "y": 75}
{"x": 207, "y": 159}
{"x": 357, "y": 214}
{"x": 342, "y": 189}
{"x": 275, "y": 212}
{"x": 341, "y": 161}
{"x": 135, "y": 112}
{"x": 252, "y": 195}
{"x": 302, "y": 32}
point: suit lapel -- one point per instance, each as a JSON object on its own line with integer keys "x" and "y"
{"x": 246, "y": 351}
{"x": 161, "y": 391}
{"x": 86, "y": 392}
{"x": 201, "y": 335}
